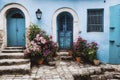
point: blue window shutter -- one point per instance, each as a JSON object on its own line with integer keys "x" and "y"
{"x": 114, "y": 35}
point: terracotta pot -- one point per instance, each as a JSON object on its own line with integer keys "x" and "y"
{"x": 78, "y": 59}
{"x": 70, "y": 53}
{"x": 96, "y": 62}
{"x": 40, "y": 61}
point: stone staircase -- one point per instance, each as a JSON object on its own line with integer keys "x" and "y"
{"x": 12, "y": 61}
{"x": 64, "y": 56}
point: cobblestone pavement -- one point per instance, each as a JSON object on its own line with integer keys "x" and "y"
{"x": 63, "y": 71}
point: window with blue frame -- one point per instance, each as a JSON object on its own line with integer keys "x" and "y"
{"x": 95, "y": 19}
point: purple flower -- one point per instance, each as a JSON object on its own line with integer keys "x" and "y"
{"x": 50, "y": 37}
{"x": 46, "y": 46}
{"x": 79, "y": 38}
{"x": 55, "y": 44}
{"x": 46, "y": 52}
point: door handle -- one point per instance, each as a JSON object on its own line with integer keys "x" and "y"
{"x": 23, "y": 36}
{"x": 17, "y": 30}
{"x": 118, "y": 45}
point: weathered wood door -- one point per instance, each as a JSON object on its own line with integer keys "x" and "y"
{"x": 15, "y": 28}
{"x": 65, "y": 30}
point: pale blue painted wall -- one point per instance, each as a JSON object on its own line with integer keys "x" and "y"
{"x": 48, "y": 8}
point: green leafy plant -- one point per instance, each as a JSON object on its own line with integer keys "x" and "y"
{"x": 33, "y": 31}
{"x": 92, "y": 51}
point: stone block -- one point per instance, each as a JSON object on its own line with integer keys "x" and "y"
{"x": 94, "y": 77}
{"x": 98, "y": 71}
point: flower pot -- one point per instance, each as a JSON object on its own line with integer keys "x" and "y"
{"x": 96, "y": 62}
{"x": 78, "y": 59}
{"x": 40, "y": 61}
{"x": 70, "y": 53}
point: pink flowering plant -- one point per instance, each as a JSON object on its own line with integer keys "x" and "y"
{"x": 87, "y": 51}
{"x": 41, "y": 47}
{"x": 79, "y": 46}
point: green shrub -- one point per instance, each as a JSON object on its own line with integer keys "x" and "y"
{"x": 92, "y": 51}
{"x": 33, "y": 31}
{"x": 87, "y": 51}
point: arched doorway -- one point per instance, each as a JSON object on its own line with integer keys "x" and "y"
{"x": 75, "y": 23}
{"x": 15, "y": 28}
{"x": 3, "y": 15}
{"x": 65, "y": 30}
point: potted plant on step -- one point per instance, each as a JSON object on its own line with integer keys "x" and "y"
{"x": 77, "y": 56}
{"x": 41, "y": 48}
{"x": 79, "y": 48}
{"x": 92, "y": 52}
{"x": 38, "y": 59}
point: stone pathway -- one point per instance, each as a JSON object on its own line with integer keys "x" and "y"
{"x": 67, "y": 70}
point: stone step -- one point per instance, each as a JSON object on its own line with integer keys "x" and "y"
{"x": 108, "y": 68}
{"x": 1, "y": 39}
{"x": 13, "y": 61}
{"x": 62, "y": 53}
{"x": 15, "y": 69}
{"x": 12, "y": 55}
{"x": 12, "y": 51}
{"x": 66, "y": 57}
{"x": 116, "y": 76}
{"x": 0, "y": 44}
{"x": 21, "y": 48}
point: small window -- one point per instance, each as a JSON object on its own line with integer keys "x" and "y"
{"x": 95, "y": 20}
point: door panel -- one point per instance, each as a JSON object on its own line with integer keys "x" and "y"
{"x": 65, "y": 30}
{"x": 11, "y": 39}
{"x": 20, "y": 32}
{"x": 61, "y": 42}
{"x": 15, "y": 29}
{"x": 68, "y": 39}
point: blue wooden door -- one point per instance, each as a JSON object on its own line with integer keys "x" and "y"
{"x": 65, "y": 30}
{"x": 114, "y": 47}
{"x": 15, "y": 29}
